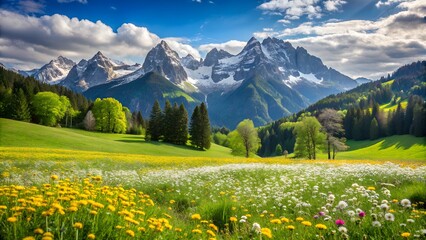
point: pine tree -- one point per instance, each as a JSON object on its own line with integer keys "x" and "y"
{"x": 195, "y": 128}
{"x": 140, "y": 120}
{"x": 399, "y": 120}
{"x": 155, "y": 130}
{"x": 182, "y": 126}
{"x": 169, "y": 122}
{"x": 374, "y": 129}
{"x": 20, "y": 107}
{"x": 205, "y": 127}
{"x": 200, "y": 127}
{"x": 419, "y": 119}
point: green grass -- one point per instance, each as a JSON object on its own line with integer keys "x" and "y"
{"x": 389, "y": 106}
{"x": 388, "y": 83}
{"x": 21, "y": 134}
{"x": 178, "y": 94}
{"x": 403, "y": 147}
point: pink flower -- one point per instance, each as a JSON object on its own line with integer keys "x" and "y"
{"x": 340, "y": 222}
{"x": 321, "y": 213}
{"x": 361, "y": 214}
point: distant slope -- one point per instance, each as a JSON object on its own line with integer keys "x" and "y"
{"x": 21, "y": 134}
{"x": 141, "y": 93}
{"x": 401, "y": 147}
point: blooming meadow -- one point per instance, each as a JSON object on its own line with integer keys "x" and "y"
{"x": 313, "y": 200}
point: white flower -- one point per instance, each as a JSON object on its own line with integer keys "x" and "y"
{"x": 358, "y": 210}
{"x": 242, "y": 220}
{"x": 406, "y": 203}
{"x": 389, "y": 217}
{"x": 244, "y": 217}
{"x": 384, "y": 201}
{"x": 342, "y": 205}
{"x": 376, "y": 224}
{"x": 384, "y": 207}
{"x": 343, "y": 229}
{"x": 410, "y": 220}
{"x": 256, "y": 227}
{"x": 351, "y": 213}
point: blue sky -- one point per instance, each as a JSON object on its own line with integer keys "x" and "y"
{"x": 346, "y": 34}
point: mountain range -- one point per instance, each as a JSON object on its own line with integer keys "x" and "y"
{"x": 265, "y": 81}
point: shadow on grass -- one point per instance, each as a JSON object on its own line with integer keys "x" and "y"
{"x": 402, "y": 142}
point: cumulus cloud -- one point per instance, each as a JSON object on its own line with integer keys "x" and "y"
{"x": 388, "y": 2}
{"x": 27, "y": 42}
{"x": 360, "y": 47}
{"x": 333, "y": 5}
{"x": 295, "y": 9}
{"x": 232, "y": 46}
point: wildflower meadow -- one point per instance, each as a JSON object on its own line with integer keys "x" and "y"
{"x": 257, "y": 200}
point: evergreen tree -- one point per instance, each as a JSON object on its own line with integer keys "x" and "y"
{"x": 278, "y": 150}
{"x": 169, "y": 122}
{"x": 374, "y": 129}
{"x": 205, "y": 126}
{"x": 20, "y": 108}
{"x": 200, "y": 127}
{"x": 182, "y": 126}
{"x": 140, "y": 121}
{"x": 155, "y": 130}
{"x": 419, "y": 119}
{"x": 195, "y": 128}
{"x": 399, "y": 120}
{"x": 348, "y": 123}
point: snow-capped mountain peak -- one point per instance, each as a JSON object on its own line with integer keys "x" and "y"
{"x": 55, "y": 71}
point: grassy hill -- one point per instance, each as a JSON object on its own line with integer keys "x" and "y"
{"x": 21, "y": 134}
{"x": 398, "y": 147}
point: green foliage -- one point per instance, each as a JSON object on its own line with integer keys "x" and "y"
{"x": 279, "y": 150}
{"x": 181, "y": 126}
{"x": 374, "y": 129}
{"x": 21, "y": 110}
{"x": 200, "y": 127}
{"x": 309, "y": 138}
{"x": 155, "y": 129}
{"x": 110, "y": 115}
{"x": 244, "y": 139}
{"x": 49, "y": 108}
{"x": 221, "y": 139}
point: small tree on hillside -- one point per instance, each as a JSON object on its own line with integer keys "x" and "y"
{"x": 155, "y": 129}
{"x": 245, "y": 138}
{"x": 309, "y": 138}
{"x": 332, "y": 124}
{"x": 89, "y": 121}
{"x": 200, "y": 127}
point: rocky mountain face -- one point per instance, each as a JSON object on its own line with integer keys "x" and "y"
{"x": 166, "y": 62}
{"x": 95, "y": 71}
{"x": 55, "y": 71}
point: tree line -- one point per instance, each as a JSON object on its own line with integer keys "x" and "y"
{"x": 171, "y": 125}
{"x": 26, "y": 99}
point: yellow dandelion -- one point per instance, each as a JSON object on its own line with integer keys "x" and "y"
{"x": 276, "y": 221}
{"x": 291, "y": 227}
{"x": 196, "y": 216}
{"x": 299, "y": 219}
{"x": 211, "y": 233}
{"x": 371, "y": 188}
{"x": 78, "y": 225}
{"x": 321, "y": 226}
{"x": 197, "y": 231}
{"x": 405, "y": 234}
{"x": 307, "y": 223}
{"x": 54, "y": 177}
{"x": 29, "y": 238}
{"x": 233, "y": 219}
{"x": 91, "y": 236}
{"x": 178, "y": 229}
{"x": 12, "y": 219}
{"x": 214, "y": 227}
{"x": 267, "y": 232}
{"x": 38, "y": 231}
{"x": 130, "y": 233}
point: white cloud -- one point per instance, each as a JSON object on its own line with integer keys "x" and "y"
{"x": 68, "y": 1}
{"x": 232, "y": 46}
{"x": 295, "y": 9}
{"x": 28, "y": 42}
{"x": 30, "y": 6}
{"x": 333, "y": 5}
{"x": 388, "y": 2}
